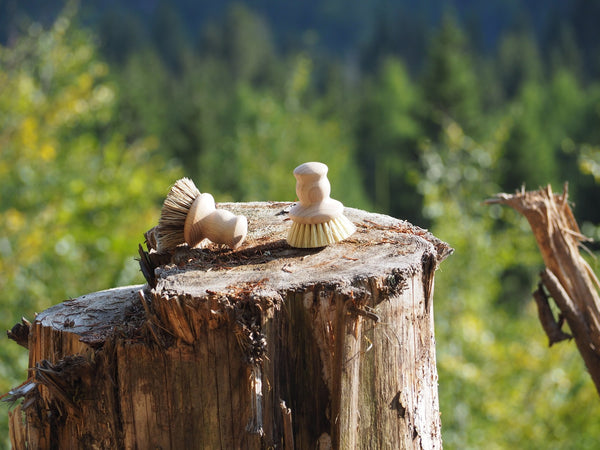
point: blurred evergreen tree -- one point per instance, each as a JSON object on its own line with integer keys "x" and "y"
{"x": 529, "y": 156}
{"x": 396, "y": 33}
{"x": 518, "y": 62}
{"x": 449, "y": 81}
{"x": 121, "y": 35}
{"x": 571, "y": 114}
{"x": 144, "y": 96}
{"x": 185, "y": 98}
{"x": 548, "y": 123}
{"x": 76, "y": 195}
{"x": 583, "y": 15}
{"x": 243, "y": 42}
{"x": 168, "y": 35}
{"x": 387, "y": 135}
{"x": 563, "y": 51}
{"x": 271, "y": 135}
{"x": 587, "y": 149}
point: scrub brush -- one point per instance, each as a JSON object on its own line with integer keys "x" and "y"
{"x": 187, "y": 216}
{"x": 318, "y": 220}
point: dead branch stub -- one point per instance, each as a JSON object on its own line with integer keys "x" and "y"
{"x": 568, "y": 278}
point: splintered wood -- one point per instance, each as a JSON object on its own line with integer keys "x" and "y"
{"x": 568, "y": 278}
{"x": 267, "y": 346}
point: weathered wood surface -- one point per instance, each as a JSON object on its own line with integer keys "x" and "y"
{"x": 258, "y": 348}
{"x": 568, "y": 278}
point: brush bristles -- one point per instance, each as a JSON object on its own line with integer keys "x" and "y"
{"x": 302, "y": 235}
{"x": 169, "y": 232}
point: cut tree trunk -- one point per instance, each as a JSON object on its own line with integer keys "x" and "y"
{"x": 264, "y": 347}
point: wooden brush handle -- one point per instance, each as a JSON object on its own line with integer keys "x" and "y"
{"x": 220, "y": 226}
{"x": 313, "y": 190}
{"x": 312, "y": 185}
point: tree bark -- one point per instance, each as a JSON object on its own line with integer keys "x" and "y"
{"x": 265, "y": 347}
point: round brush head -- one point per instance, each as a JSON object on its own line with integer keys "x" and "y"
{"x": 313, "y": 235}
{"x": 169, "y": 232}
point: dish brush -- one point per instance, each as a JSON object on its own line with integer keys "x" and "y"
{"x": 318, "y": 220}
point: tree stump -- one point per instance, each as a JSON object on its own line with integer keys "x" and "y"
{"x": 264, "y": 347}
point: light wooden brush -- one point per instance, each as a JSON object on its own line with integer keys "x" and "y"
{"x": 187, "y": 216}
{"x": 318, "y": 220}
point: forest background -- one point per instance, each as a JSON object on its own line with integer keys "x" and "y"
{"x": 421, "y": 110}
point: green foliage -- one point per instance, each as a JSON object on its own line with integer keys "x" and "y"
{"x": 450, "y": 82}
{"x": 500, "y": 386}
{"x": 271, "y": 136}
{"x": 590, "y": 161}
{"x": 518, "y": 62}
{"x": 168, "y": 37}
{"x": 88, "y": 153}
{"x": 226, "y": 122}
{"x": 243, "y": 43}
{"x": 387, "y": 133}
{"x": 546, "y": 121}
{"x": 76, "y": 196}
{"x": 530, "y": 157}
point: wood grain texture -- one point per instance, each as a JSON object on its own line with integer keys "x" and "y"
{"x": 343, "y": 336}
{"x": 569, "y": 279}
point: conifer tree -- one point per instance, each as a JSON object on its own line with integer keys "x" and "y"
{"x": 449, "y": 80}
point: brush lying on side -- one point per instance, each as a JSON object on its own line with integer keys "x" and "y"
{"x": 187, "y": 216}
{"x": 318, "y": 220}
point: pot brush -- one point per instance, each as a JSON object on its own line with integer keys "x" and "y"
{"x": 318, "y": 220}
{"x": 187, "y": 216}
